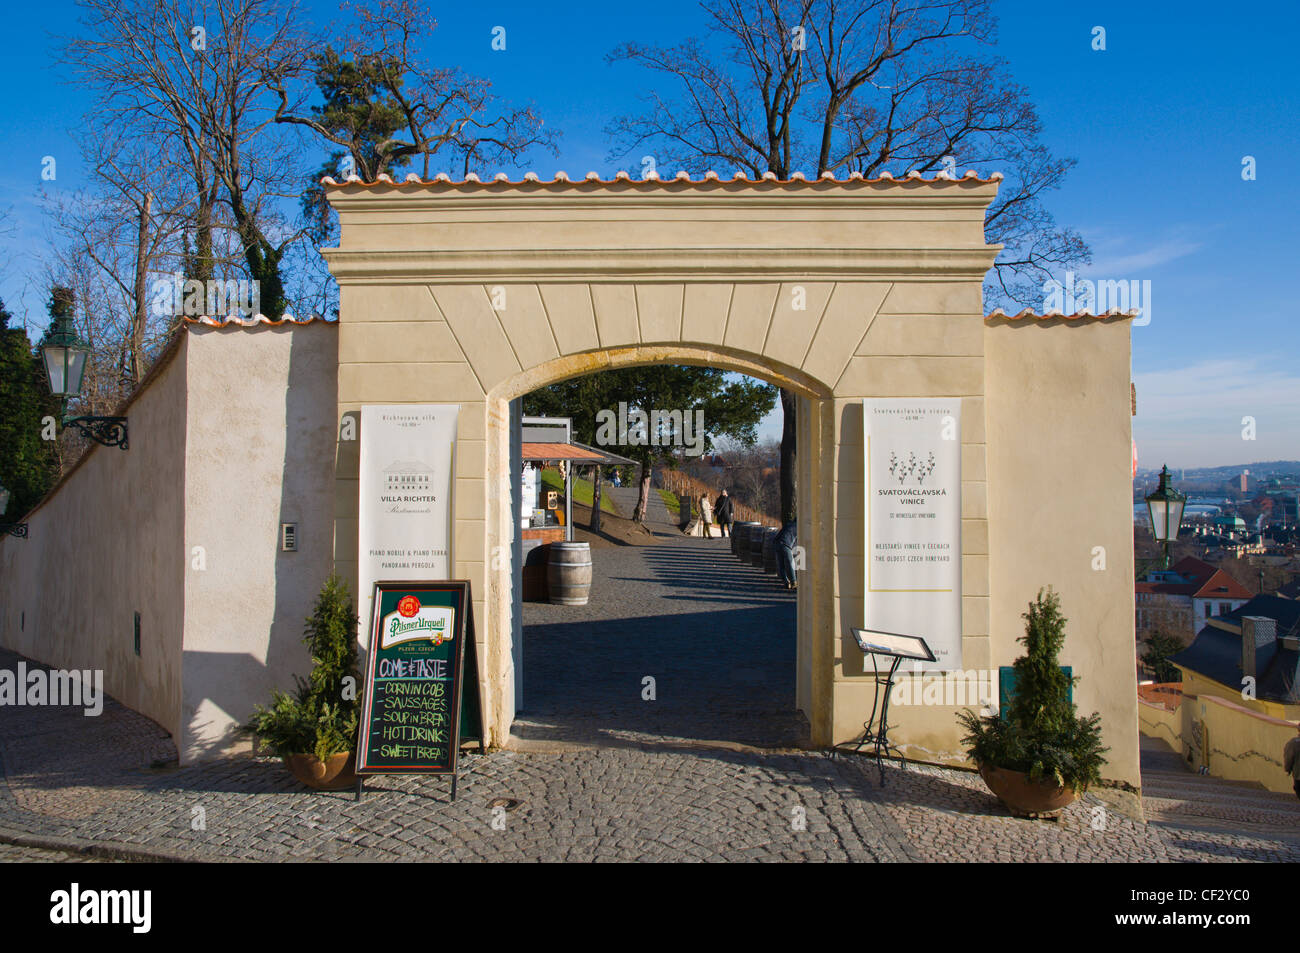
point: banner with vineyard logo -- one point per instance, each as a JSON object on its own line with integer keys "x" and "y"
{"x": 913, "y": 521}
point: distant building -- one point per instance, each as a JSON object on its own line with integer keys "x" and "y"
{"x": 1229, "y": 526}
{"x": 1285, "y": 507}
{"x": 1178, "y": 600}
{"x": 1259, "y": 640}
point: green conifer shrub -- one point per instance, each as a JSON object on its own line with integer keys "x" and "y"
{"x": 1041, "y": 734}
{"x": 320, "y": 717}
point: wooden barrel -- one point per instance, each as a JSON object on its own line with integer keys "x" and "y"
{"x": 740, "y": 538}
{"x": 756, "y": 533}
{"x": 769, "y": 549}
{"x": 568, "y": 573}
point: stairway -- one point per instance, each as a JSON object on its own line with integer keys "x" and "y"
{"x": 1173, "y": 794}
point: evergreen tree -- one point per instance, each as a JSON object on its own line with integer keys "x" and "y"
{"x": 1040, "y": 733}
{"x": 29, "y": 465}
{"x": 1159, "y": 649}
{"x": 1042, "y": 698}
{"x": 358, "y": 110}
{"x": 320, "y": 717}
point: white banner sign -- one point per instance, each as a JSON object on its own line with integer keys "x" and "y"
{"x": 405, "y": 513}
{"x": 913, "y": 521}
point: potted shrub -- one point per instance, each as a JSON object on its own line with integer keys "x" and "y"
{"x": 315, "y": 728}
{"x": 1039, "y": 754}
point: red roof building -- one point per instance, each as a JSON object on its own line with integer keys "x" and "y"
{"x": 1178, "y": 600}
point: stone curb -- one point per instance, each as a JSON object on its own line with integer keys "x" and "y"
{"x": 528, "y": 746}
{"x": 107, "y": 850}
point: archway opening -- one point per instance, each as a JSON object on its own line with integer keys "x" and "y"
{"x": 681, "y": 637}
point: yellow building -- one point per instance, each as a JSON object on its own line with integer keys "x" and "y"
{"x": 1250, "y": 656}
{"x": 1238, "y": 704}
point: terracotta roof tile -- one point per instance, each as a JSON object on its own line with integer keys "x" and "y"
{"x": 1030, "y": 315}
{"x": 253, "y": 320}
{"x": 652, "y": 180}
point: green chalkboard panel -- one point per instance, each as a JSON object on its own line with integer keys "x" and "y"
{"x": 421, "y": 693}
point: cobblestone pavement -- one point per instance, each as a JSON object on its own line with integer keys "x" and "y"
{"x": 599, "y": 773}
{"x": 12, "y": 854}
{"x": 659, "y": 519}
{"x": 717, "y": 638}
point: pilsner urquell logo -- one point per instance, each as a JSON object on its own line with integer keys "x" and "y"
{"x": 414, "y": 621}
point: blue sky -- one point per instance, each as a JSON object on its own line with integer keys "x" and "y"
{"x": 1160, "y": 122}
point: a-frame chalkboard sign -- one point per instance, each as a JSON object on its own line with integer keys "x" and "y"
{"x": 421, "y": 696}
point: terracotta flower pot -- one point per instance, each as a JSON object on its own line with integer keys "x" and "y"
{"x": 332, "y": 774}
{"x": 1023, "y": 797}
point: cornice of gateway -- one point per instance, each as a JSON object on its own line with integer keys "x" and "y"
{"x": 677, "y": 264}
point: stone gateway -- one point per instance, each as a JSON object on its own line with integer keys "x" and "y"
{"x": 472, "y": 294}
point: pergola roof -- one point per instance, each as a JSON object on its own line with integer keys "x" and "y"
{"x": 576, "y": 452}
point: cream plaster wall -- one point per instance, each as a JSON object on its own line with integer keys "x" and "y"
{"x": 259, "y": 453}
{"x": 105, "y": 545}
{"x": 1060, "y": 478}
{"x": 232, "y": 434}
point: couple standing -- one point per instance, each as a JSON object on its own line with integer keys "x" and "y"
{"x": 722, "y": 508}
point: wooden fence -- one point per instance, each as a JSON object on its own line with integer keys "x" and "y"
{"x": 682, "y": 484}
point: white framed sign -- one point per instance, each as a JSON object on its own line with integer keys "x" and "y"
{"x": 405, "y": 514}
{"x": 530, "y": 495}
{"x": 912, "y": 515}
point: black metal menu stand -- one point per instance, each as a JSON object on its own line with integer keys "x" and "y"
{"x": 895, "y": 647}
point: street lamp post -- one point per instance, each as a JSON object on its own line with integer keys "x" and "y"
{"x": 12, "y": 529}
{"x": 65, "y": 366}
{"x": 1165, "y": 507}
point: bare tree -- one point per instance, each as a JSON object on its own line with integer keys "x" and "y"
{"x": 138, "y": 58}
{"x": 386, "y": 108}
{"x": 198, "y": 77}
{"x": 130, "y": 226}
{"x": 856, "y": 85}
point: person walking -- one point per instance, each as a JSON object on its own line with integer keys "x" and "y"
{"x": 785, "y": 544}
{"x": 723, "y": 509}
{"x": 1291, "y": 760}
{"x": 706, "y": 517}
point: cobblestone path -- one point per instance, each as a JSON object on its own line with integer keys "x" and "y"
{"x": 659, "y": 520}
{"x": 598, "y": 774}
{"x": 717, "y": 638}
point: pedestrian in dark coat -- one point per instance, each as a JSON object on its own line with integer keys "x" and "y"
{"x": 786, "y": 542}
{"x": 1291, "y": 760}
{"x": 722, "y": 512}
